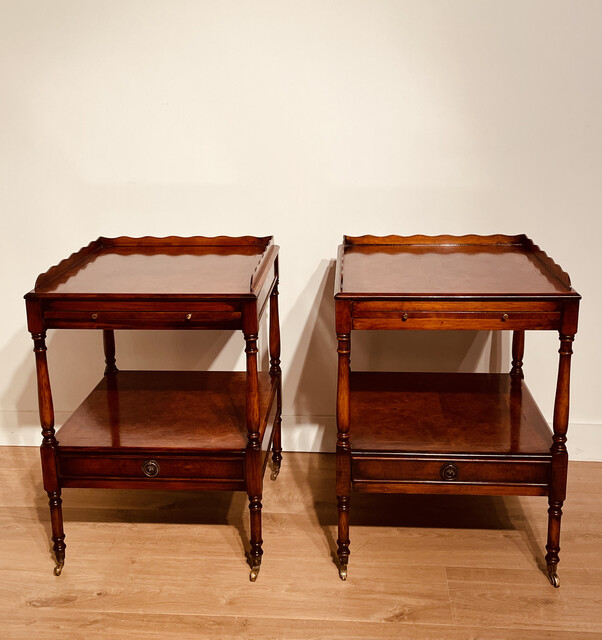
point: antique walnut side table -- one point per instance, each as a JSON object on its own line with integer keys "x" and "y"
{"x": 163, "y": 429}
{"x": 450, "y": 433}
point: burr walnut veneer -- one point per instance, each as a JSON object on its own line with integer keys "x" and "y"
{"x": 163, "y": 429}
{"x": 451, "y": 433}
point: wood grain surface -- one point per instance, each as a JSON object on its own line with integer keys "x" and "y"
{"x": 157, "y": 266}
{"x": 424, "y": 266}
{"x": 172, "y": 410}
{"x": 169, "y": 565}
{"x": 445, "y": 412}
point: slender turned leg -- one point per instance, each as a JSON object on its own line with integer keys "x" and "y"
{"x": 277, "y": 446}
{"x": 276, "y": 371}
{"x": 48, "y": 451}
{"x": 557, "y": 491}
{"x": 253, "y": 455}
{"x": 108, "y": 340}
{"x": 256, "y": 541}
{"x": 518, "y": 350}
{"x": 343, "y": 457}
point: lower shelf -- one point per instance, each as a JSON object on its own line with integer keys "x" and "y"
{"x": 145, "y": 428}
{"x": 447, "y": 433}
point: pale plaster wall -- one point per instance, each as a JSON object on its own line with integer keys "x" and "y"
{"x": 305, "y": 120}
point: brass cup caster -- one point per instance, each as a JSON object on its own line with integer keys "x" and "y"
{"x": 275, "y": 472}
{"x": 554, "y": 579}
{"x": 254, "y": 573}
{"x": 343, "y": 572}
{"x": 59, "y": 568}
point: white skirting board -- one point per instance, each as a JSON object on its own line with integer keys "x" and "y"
{"x": 299, "y": 433}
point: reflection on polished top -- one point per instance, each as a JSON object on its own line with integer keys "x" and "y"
{"x": 155, "y": 266}
{"x": 448, "y": 266}
{"x": 192, "y": 410}
{"x": 445, "y": 413}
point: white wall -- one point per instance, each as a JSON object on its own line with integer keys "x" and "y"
{"x": 306, "y": 120}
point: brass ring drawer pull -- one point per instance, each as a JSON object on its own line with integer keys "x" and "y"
{"x": 404, "y": 317}
{"x": 94, "y": 316}
{"x": 505, "y": 317}
{"x": 189, "y": 316}
{"x": 449, "y": 471}
{"x": 150, "y": 468}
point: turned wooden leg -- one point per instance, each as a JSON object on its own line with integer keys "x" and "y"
{"x": 518, "y": 351}
{"x": 48, "y": 451}
{"x": 557, "y": 489}
{"x": 108, "y": 340}
{"x": 277, "y": 446}
{"x": 58, "y": 536}
{"x": 553, "y": 545}
{"x": 343, "y": 542}
{"x": 256, "y": 541}
{"x": 275, "y": 370}
{"x": 343, "y": 453}
{"x": 253, "y": 466}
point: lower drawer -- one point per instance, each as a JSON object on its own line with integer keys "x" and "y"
{"x": 451, "y": 471}
{"x": 150, "y": 467}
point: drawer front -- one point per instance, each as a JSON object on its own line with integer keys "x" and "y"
{"x": 499, "y": 306}
{"x": 486, "y": 321}
{"x": 185, "y": 319}
{"x": 451, "y": 471}
{"x": 151, "y": 467}
{"x": 482, "y": 315}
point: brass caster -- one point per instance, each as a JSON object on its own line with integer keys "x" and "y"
{"x": 343, "y": 572}
{"x": 554, "y": 579}
{"x": 59, "y": 568}
{"x": 254, "y": 573}
{"x": 275, "y": 472}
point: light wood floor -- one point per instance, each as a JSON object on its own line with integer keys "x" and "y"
{"x": 165, "y": 565}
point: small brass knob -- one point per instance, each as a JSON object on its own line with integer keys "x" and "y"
{"x": 94, "y": 316}
{"x": 189, "y": 316}
{"x": 449, "y": 471}
{"x": 505, "y": 317}
{"x": 404, "y": 317}
{"x": 150, "y": 468}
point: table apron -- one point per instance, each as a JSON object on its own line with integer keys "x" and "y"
{"x": 143, "y": 319}
{"x": 81, "y": 465}
{"x": 452, "y": 471}
{"x": 473, "y": 320}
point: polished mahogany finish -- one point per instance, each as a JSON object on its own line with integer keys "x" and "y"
{"x": 163, "y": 429}
{"x": 450, "y": 433}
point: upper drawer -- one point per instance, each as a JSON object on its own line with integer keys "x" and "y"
{"x": 88, "y": 315}
{"x": 456, "y": 315}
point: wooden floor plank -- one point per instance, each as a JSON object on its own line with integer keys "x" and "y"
{"x": 53, "y": 625}
{"x": 511, "y": 597}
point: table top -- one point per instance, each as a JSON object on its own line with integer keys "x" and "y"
{"x": 447, "y": 267}
{"x": 142, "y": 267}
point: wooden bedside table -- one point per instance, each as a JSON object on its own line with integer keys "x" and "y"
{"x": 163, "y": 429}
{"x": 451, "y": 433}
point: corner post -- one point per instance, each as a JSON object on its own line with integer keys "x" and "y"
{"x": 276, "y": 371}
{"x": 49, "y": 442}
{"x": 253, "y": 465}
{"x": 343, "y": 450}
{"x": 558, "y": 475}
